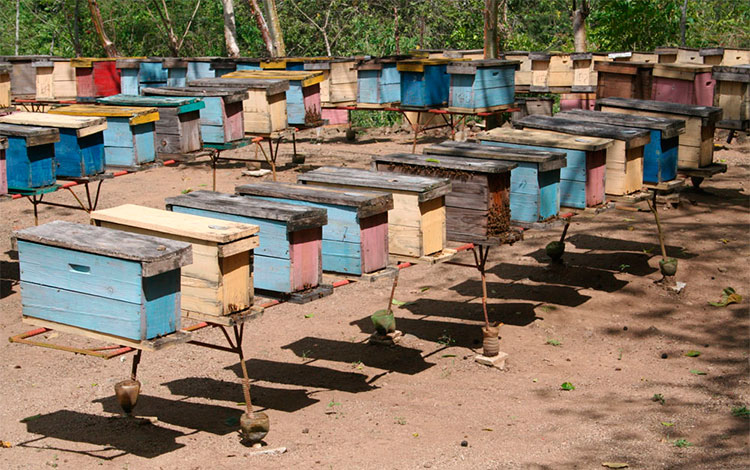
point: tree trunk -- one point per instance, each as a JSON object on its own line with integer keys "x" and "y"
{"x": 490, "y": 29}
{"x": 230, "y": 29}
{"x": 397, "y": 37}
{"x": 262, "y": 26}
{"x": 77, "y": 29}
{"x": 18, "y": 16}
{"x": 96, "y": 16}
{"x": 683, "y": 23}
{"x": 504, "y": 29}
{"x": 167, "y": 21}
{"x": 274, "y": 27}
{"x": 579, "y": 25}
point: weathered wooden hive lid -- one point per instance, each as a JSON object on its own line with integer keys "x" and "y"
{"x": 156, "y": 255}
{"x": 296, "y": 217}
{"x": 448, "y": 162}
{"x": 669, "y": 127}
{"x": 174, "y": 62}
{"x": 682, "y": 68}
{"x": 368, "y": 203}
{"x": 425, "y": 187}
{"x": 182, "y": 225}
{"x": 24, "y": 58}
{"x": 546, "y": 160}
{"x": 88, "y": 62}
{"x": 458, "y": 53}
{"x": 732, "y": 73}
{"x": 135, "y": 115}
{"x": 305, "y": 77}
{"x": 545, "y": 139}
{"x": 272, "y": 87}
{"x": 55, "y": 120}
{"x": 418, "y": 65}
{"x": 631, "y": 136}
{"x": 34, "y": 135}
{"x": 470, "y": 67}
{"x": 230, "y": 94}
{"x": 709, "y": 114}
{"x": 183, "y": 104}
{"x": 706, "y": 51}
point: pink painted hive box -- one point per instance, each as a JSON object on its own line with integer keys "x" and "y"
{"x": 355, "y": 240}
{"x": 95, "y": 78}
{"x": 288, "y": 259}
{"x": 683, "y": 83}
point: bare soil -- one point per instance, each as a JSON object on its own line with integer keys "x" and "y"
{"x": 336, "y": 402}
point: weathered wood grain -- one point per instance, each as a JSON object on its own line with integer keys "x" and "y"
{"x": 668, "y": 127}
{"x": 633, "y": 137}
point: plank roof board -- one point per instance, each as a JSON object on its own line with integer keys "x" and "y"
{"x": 307, "y": 78}
{"x": 295, "y": 217}
{"x": 183, "y": 225}
{"x": 272, "y": 87}
{"x": 34, "y": 135}
{"x": 546, "y": 160}
{"x": 427, "y": 188}
{"x": 367, "y": 203}
{"x": 470, "y": 68}
{"x": 708, "y": 113}
{"x": 183, "y": 104}
{"x": 631, "y": 136}
{"x": 84, "y": 125}
{"x": 732, "y": 73}
{"x": 448, "y": 162}
{"x": 137, "y": 115}
{"x": 156, "y": 255}
{"x": 669, "y": 127}
{"x": 545, "y": 139}
{"x": 230, "y": 95}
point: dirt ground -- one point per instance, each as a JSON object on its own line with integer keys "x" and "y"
{"x": 599, "y": 322}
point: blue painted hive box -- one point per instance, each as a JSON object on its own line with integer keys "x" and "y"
{"x": 248, "y": 63}
{"x": 101, "y": 280}
{"x": 534, "y": 182}
{"x": 355, "y": 240}
{"x": 379, "y": 81}
{"x": 198, "y": 68}
{"x": 178, "y": 129}
{"x": 288, "y": 258}
{"x": 130, "y": 75}
{"x": 660, "y": 154}
{"x": 481, "y": 85}
{"x": 424, "y": 82}
{"x": 221, "y": 119}
{"x": 80, "y": 150}
{"x": 176, "y": 71}
{"x": 152, "y": 73}
{"x": 30, "y": 156}
{"x": 129, "y": 140}
{"x": 581, "y": 179}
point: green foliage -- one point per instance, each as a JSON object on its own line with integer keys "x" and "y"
{"x": 634, "y": 25}
{"x": 567, "y": 386}
{"x": 682, "y": 443}
{"x": 658, "y": 397}
{"x": 362, "y": 118}
{"x": 741, "y": 412}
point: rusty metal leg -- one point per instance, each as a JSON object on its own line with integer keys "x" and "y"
{"x": 272, "y": 157}
{"x": 75, "y": 196}
{"x": 214, "y": 158}
{"x": 96, "y": 197}
{"x": 481, "y": 261}
{"x": 294, "y": 145}
{"x": 134, "y": 368}
{"x": 245, "y": 375}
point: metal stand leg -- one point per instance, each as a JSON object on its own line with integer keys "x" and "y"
{"x": 730, "y": 136}
{"x": 136, "y": 362}
{"x": 481, "y": 261}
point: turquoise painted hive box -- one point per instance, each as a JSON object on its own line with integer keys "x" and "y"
{"x": 80, "y": 150}
{"x": 355, "y": 239}
{"x": 481, "y": 85}
{"x": 101, "y": 280}
{"x": 424, "y": 82}
{"x": 30, "y": 156}
{"x": 129, "y": 140}
{"x": 288, "y": 258}
{"x": 198, "y": 68}
{"x": 534, "y": 179}
{"x": 660, "y": 155}
{"x": 582, "y": 179}
{"x": 176, "y": 70}
{"x": 379, "y": 81}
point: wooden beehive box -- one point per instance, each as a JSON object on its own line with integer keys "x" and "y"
{"x": 533, "y": 186}
{"x": 712, "y": 55}
{"x": 176, "y": 68}
{"x": 725, "y": 56}
{"x": 732, "y": 94}
{"x": 129, "y": 140}
{"x": 95, "y": 78}
{"x": 130, "y": 75}
{"x": 303, "y": 106}
{"x": 264, "y": 110}
{"x": 30, "y": 156}
{"x": 379, "y": 81}
{"x": 55, "y": 79}
{"x": 219, "y": 281}
{"x": 355, "y": 240}
{"x": 288, "y": 257}
{"x": 5, "y": 96}
{"x": 221, "y": 118}
{"x": 481, "y": 85}
{"x": 666, "y": 55}
{"x": 581, "y": 179}
{"x": 623, "y": 80}
{"x": 469, "y": 54}
{"x": 539, "y": 71}
{"x": 561, "y": 72}
{"x": 342, "y": 80}
{"x": 199, "y": 68}
{"x": 3, "y": 176}
{"x": 624, "y": 173}
{"x": 577, "y": 101}
{"x": 660, "y": 154}
{"x": 523, "y": 73}
{"x": 101, "y": 280}
{"x": 23, "y": 75}
{"x": 477, "y": 207}
{"x": 152, "y": 73}
{"x": 687, "y": 55}
{"x": 584, "y": 74}
{"x": 416, "y": 225}
{"x": 80, "y": 150}
{"x": 696, "y": 144}
{"x": 683, "y": 83}
{"x": 178, "y": 130}
{"x": 248, "y": 63}
{"x": 425, "y": 83}
{"x": 221, "y": 66}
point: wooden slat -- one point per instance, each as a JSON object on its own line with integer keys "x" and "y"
{"x": 136, "y": 115}
{"x": 52, "y": 120}
{"x": 296, "y": 217}
{"x": 272, "y": 87}
{"x": 448, "y": 162}
{"x": 184, "y": 225}
{"x": 546, "y": 160}
{"x": 182, "y": 104}
{"x": 708, "y": 113}
{"x": 631, "y": 136}
{"x": 34, "y": 135}
{"x": 156, "y": 255}
{"x": 307, "y": 78}
{"x": 230, "y": 95}
{"x": 669, "y": 127}
{"x": 544, "y": 139}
